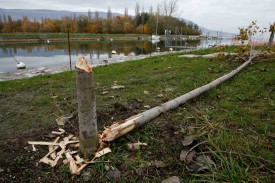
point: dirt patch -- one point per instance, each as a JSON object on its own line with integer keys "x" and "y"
{"x": 18, "y": 163}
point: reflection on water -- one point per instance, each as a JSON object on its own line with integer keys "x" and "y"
{"x": 56, "y": 54}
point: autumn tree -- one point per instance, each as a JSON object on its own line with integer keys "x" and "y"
{"x": 1, "y": 24}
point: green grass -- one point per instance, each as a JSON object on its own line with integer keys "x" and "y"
{"x": 236, "y": 117}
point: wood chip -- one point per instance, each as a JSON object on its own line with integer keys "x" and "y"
{"x": 73, "y": 166}
{"x": 135, "y": 146}
{"x": 118, "y": 87}
{"x": 33, "y": 148}
{"x": 102, "y": 152}
{"x": 78, "y": 159}
{"x": 42, "y": 143}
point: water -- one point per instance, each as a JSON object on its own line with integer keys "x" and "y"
{"x": 57, "y": 54}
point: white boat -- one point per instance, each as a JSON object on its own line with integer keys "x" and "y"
{"x": 155, "y": 37}
{"x": 21, "y": 65}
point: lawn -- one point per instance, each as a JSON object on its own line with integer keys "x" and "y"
{"x": 233, "y": 123}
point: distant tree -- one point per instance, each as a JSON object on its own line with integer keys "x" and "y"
{"x": 96, "y": 15}
{"x": 151, "y": 10}
{"x": 117, "y": 25}
{"x": 128, "y": 26}
{"x": 169, "y": 8}
{"x": 82, "y": 24}
{"x": 89, "y": 15}
{"x": 109, "y": 14}
{"x": 126, "y": 12}
{"x": 272, "y": 31}
{"x": 137, "y": 15}
{"x": 1, "y": 24}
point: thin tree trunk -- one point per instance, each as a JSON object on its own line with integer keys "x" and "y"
{"x": 271, "y": 38}
{"x": 88, "y": 133}
{"x": 119, "y": 129}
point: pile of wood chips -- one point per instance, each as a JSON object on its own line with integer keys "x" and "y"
{"x": 67, "y": 146}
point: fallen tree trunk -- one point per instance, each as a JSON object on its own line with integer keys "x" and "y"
{"x": 120, "y": 128}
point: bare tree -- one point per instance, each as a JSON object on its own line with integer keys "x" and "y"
{"x": 169, "y": 8}
{"x": 96, "y": 15}
{"x": 109, "y": 14}
{"x": 126, "y": 12}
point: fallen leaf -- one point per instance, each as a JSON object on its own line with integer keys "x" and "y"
{"x": 188, "y": 140}
{"x": 105, "y": 92}
{"x": 205, "y": 160}
{"x": 147, "y": 107}
{"x": 113, "y": 174}
{"x": 160, "y": 95}
{"x": 187, "y": 158}
{"x": 173, "y": 179}
{"x": 272, "y": 136}
{"x": 146, "y": 92}
{"x": 63, "y": 119}
{"x": 159, "y": 164}
{"x": 193, "y": 166}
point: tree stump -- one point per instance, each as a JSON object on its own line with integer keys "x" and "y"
{"x": 88, "y": 133}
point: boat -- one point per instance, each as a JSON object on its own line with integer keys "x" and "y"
{"x": 21, "y": 65}
{"x": 155, "y": 37}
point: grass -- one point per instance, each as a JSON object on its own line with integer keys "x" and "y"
{"x": 236, "y": 117}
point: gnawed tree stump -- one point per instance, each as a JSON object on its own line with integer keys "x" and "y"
{"x": 88, "y": 133}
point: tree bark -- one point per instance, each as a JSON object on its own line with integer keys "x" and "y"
{"x": 272, "y": 31}
{"x": 271, "y": 38}
{"x": 88, "y": 133}
{"x": 120, "y": 128}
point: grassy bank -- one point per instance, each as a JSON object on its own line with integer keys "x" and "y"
{"x": 236, "y": 119}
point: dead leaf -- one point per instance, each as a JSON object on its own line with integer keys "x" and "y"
{"x": 187, "y": 156}
{"x": 160, "y": 95}
{"x": 188, "y": 140}
{"x": 63, "y": 119}
{"x": 159, "y": 164}
{"x": 272, "y": 136}
{"x": 205, "y": 160}
{"x": 173, "y": 179}
{"x": 146, "y": 92}
{"x": 147, "y": 107}
{"x": 105, "y": 92}
{"x": 113, "y": 174}
{"x": 193, "y": 166}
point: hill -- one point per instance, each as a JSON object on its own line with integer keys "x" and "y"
{"x": 38, "y": 14}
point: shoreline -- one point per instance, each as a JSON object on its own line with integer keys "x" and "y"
{"x": 36, "y": 71}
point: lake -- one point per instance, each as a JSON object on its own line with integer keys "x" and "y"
{"x": 57, "y": 54}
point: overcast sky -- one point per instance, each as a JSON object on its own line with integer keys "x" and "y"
{"x": 225, "y": 15}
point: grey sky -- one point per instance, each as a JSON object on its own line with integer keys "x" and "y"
{"x": 225, "y": 15}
